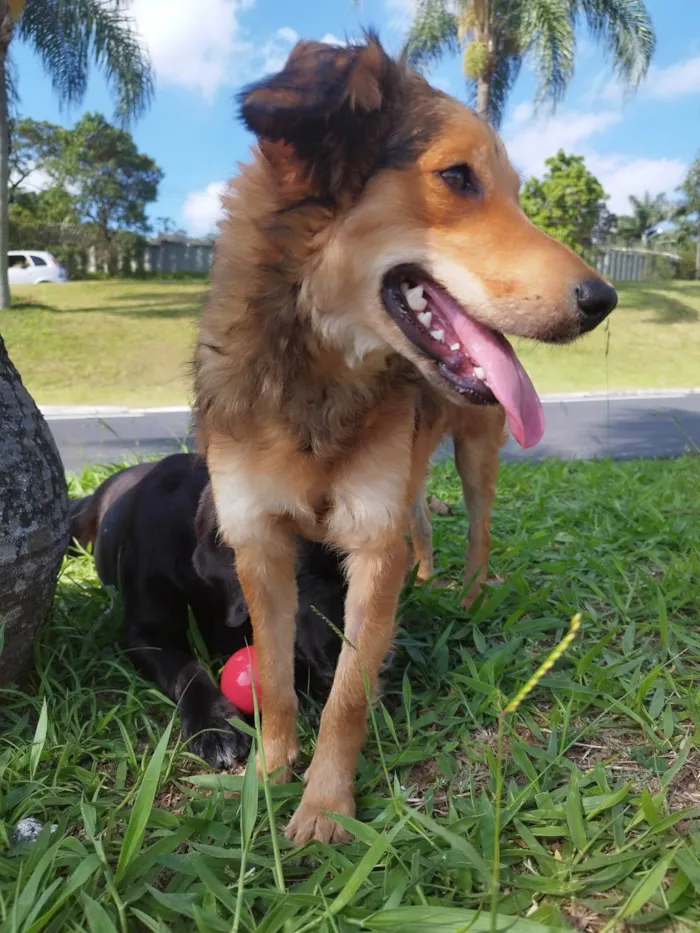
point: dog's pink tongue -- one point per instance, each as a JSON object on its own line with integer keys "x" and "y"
{"x": 505, "y": 375}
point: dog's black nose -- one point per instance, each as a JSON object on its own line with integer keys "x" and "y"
{"x": 595, "y": 299}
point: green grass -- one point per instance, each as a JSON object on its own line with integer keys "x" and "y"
{"x": 651, "y": 341}
{"x": 599, "y": 822}
{"x": 127, "y": 342}
{"x": 110, "y": 343}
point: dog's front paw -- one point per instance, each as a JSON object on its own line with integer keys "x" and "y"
{"x": 212, "y": 737}
{"x": 475, "y": 590}
{"x": 312, "y": 819}
{"x": 280, "y": 758}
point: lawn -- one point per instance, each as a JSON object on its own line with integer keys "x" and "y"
{"x": 127, "y": 342}
{"x": 594, "y": 806}
{"x": 109, "y": 343}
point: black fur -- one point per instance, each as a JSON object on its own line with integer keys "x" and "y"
{"x": 155, "y": 538}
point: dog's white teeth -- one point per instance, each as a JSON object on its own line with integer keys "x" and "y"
{"x": 415, "y": 299}
{"x": 438, "y": 335}
{"x": 454, "y": 346}
{"x": 479, "y": 373}
{"x": 425, "y": 318}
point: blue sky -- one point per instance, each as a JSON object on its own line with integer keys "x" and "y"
{"x": 202, "y": 52}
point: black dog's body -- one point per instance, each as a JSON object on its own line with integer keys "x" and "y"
{"x": 155, "y": 538}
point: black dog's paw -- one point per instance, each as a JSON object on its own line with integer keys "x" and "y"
{"x": 212, "y": 738}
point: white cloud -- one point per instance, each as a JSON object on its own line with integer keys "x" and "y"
{"x": 196, "y": 45}
{"x": 522, "y": 113}
{"x": 675, "y": 81}
{"x": 288, "y": 34}
{"x": 331, "y": 39}
{"x": 37, "y": 180}
{"x": 678, "y": 80}
{"x": 276, "y": 50}
{"x": 622, "y": 176}
{"x": 202, "y": 210}
{"x": 607, "y": 90}
{"x": 203, "y": 45}
{"x": 531, "y": 140}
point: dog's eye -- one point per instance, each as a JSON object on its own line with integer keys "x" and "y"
{"x": 460, "y": 178}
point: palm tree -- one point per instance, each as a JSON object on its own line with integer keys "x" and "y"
{"x": 642, "y": 224}
{"x": 33, "y": 499}
{"x": 687, "y": 213}
{"x": 33, "y": 528}
{"x": 497, "y": 36}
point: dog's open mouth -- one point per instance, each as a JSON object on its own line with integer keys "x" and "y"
{"x": 477, "y": 362}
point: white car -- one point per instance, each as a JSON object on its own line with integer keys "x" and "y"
{"x": 32, "y": 267}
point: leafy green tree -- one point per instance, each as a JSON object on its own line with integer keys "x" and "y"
{"x": 112, "y": 182}
{"x": 495, "y": 38}
{"x": 35, "y": 146}
{"x": 567, "y": 203}
{"x": 32, "y": 144}
{"x": 53, "y": 205}
{"x": 67, "y": 35}
{"x": 643, "y": 223}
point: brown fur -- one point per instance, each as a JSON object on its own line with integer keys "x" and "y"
{"x": 336, "y": 413}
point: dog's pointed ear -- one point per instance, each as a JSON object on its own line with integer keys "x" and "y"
{"x": 317, "y": 83}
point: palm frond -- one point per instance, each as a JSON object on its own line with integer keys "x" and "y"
{"x": 503, "y": 78}
{"x": 647, "y": 213}
{"x": 69, "y": 34}
{"x": 548, "y": 33}
{"x": 434, "y": 32}
{"x": 626, "y": 30}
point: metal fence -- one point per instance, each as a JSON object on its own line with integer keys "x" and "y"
{"x": 635, "y": 265}
{"x": 164, "y": 254}
{"x": 176, "y": 253}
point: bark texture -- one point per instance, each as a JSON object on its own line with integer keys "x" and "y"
{"x": 483, "y": 96}
{"x": 33, "y": 520}
{"x": 5, "y": 37}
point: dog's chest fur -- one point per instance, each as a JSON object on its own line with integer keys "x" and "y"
{"x": 327, "y": 418}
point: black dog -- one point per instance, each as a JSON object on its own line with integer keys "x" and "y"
{"x": 155, "y": 537}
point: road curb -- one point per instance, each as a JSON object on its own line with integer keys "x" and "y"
{"x": 60, "y": 412}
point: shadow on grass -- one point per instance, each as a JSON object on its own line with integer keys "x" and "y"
{"x": 31, "y": 306}
{"x": 166, "y": 312}
{"x": 162, "y": 308}
{"x": 666, "y": 309}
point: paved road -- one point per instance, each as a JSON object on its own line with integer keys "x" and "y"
{"x": 662, "y": 425}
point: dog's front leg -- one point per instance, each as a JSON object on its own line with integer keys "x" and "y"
{"x": 477, "y": 447}
{"x": 266, "y": 573}
{"x": 374, "y": 584}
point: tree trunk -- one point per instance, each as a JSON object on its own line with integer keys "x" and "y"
{"x": 33, "y": 520}
{"x": 5, "y": 36}
{"x": 483, "y": 95}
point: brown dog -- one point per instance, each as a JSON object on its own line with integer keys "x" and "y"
{"x": 372, "y": 256}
